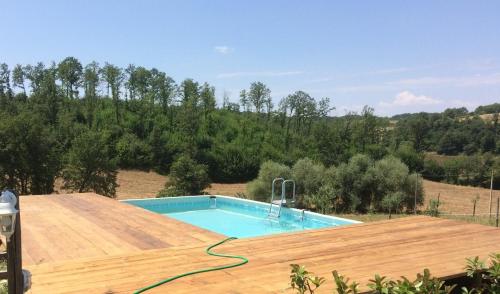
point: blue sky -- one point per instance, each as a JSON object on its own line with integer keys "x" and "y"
{"x": 396, "y": 56}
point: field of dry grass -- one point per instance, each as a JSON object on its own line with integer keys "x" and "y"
{"x": 141, "y": 184}
{"x": 454, "y": 199}
{"x": 458, "y": 199}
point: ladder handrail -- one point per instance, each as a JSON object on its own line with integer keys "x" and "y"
{"x": 283, "y": 185}
{"x": 283, "y": 194}
{"x": 272, "y": 191}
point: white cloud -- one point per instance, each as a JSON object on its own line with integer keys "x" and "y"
{"x": 223, "y": 49}
{"x": 406, "y": 98}
{"x": 258, "y": 74}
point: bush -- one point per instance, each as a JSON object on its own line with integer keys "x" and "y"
{"x": 233, "y": 164}
{"x": 433, "y": 170}
{"x": 392, "y": 202}
{"x": 186, "y": 177}
{"x": 410, "y": 157}
{"x": 260, "y": 188}
{"x": 308, "y": 176}
{"x": 485, "y": 279}
{"x": 133, "y": 153}
{"x": 89, "y": 166}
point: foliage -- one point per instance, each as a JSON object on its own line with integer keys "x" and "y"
{"x": 485, "y": 279}
{"x": 343, "y": 285}
{"x": 260, "y": 188}
{"x": 303, "y": 281}
{"x": 89, "y": 166}
{"x": 133, "y": 153}
{"x": 392, "y": 202}
{"x": 409, "y": 156}
{"x": 149, "y": 120}
{"x": 309, "y": 177}
{"x": 29, "y": 155}
{"x": 433, "y": 208}
{"x": 187, "y": 177}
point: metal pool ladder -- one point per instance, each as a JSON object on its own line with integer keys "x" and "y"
{"x": 282, "y": 201}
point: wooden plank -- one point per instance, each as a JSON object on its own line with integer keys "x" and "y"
{"x": 397, "y": 247}
{"x": 73, "y": 226}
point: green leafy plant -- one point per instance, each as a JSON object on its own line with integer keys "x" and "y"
{"x": 433, "y": 208}
{"x": 303, "y": 281}
{"x": 343, "y": 286}
{"x": 486, "y": 279}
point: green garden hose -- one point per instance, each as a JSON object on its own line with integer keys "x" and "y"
{"x": 216, "y": 268}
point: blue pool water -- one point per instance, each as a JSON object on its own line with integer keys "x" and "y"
{"x": 236, "y": 217}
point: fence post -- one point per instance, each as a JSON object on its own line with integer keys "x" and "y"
{"x": 416, "y": 191}
{"x": 491, "y": 191}
{"x": 498, "y": 206}
{"x": 474, "y": 209}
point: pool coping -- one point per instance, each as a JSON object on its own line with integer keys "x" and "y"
{"x": 306, "y": 212}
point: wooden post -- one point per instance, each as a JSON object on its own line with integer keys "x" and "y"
{"x": 474, "y": 208}
{"x": 498, "y": 206}
{"x": 491, "y": 191}
{"x": 14, "y": 261}
{"x": 416, "y": 191}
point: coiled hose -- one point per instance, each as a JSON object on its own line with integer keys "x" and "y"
{"x": 210, "y": 269}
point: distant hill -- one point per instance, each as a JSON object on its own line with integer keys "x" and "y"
{"x": 485, "y": 112}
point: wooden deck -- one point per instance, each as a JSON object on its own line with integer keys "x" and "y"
{"x": 65, "y": 227}
{"x": 399, "y": 247}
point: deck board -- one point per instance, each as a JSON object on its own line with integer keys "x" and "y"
{"x": 393, "y": 248}
{"x": 72, "y": 226}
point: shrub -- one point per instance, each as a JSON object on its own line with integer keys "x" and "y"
{"x": 308, "y": 177}
{"x": 304, "y": 281}
{"x": 186, "y": 177}
{"x": 433, "y": 170}
{"x": 485, "y": 279}
{"x": 392, "y": 202}
{"x": 410, "y": 157}
{"x": 386, "y": 177}
{"x": 260, "y": 188}
{"x": 89, "y": 166}
{"x": 133, "y": 153}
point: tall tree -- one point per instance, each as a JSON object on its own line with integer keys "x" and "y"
{"x": 244, "y": 101}
{"x": 207, "y": 95}
{"x": 29, "y": 154}
{"x": 18, "y": 77}
{"x": 5, "y": 89}
{"x": 113, "y": 77}
{"x": 259, "y": 95}
{"x": 35, "y": 75}
{"x": 91, "y": 83}
{"x": 70, "y": 72}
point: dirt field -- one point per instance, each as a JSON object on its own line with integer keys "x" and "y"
{"x": 141, "y": 184}
{"x": 454, "y": 199}
{"x": 458, "y": 199}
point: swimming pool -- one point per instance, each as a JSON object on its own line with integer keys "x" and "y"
{"x": 236, "y": 217}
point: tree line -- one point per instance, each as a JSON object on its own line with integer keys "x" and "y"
{"x": 84, "y": 122}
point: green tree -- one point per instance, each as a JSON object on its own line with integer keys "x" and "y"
{"x": 70, "y": 72}
{"x": 260, "y": 188}
{"x": 29, "y": 154}
{"x": 18, "y": 77}
{"x": 113, "y": 77}
{"x": 187, "y": 177}
{"x": 392, "y": 202}
{"x": 91, "y": 83}
{"x": 89, "y": 165}
{"x": 259, "y": 95}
